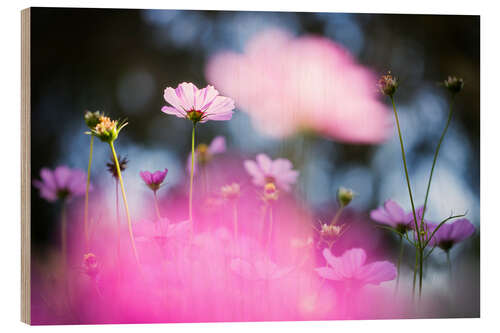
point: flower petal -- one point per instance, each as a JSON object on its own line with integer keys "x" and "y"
{"x": 220, "y": 109}
{"x": 461, "y": 229}
{"x": 173, "y": 111}
{"x": 265, "y": 163}
{"x": 62, "y": 176}
{"x": 328, "y": 273}
{"x": 380, "y": 215}
{"x": 352, "y": 260}
{"x": 147, "y": 177}
{"x": 218, "y": 145}
{"x": 186, "y": 93}
{"x": 377, "y": 272}
{"x": 171, "y": 97}
{"x": 205, "y": 97}
{"x": 396, "y": 213}
{"x": 253, "y": 169}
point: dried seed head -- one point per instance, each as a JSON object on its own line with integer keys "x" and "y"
{"x": 388, "y": 84}
{"x": 454, "y": 84}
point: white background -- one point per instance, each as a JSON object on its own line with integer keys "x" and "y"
{"x": 490, "y": 186}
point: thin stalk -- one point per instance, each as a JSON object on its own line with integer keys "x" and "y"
{"x": 415, "y": 270}
{"x": 401, "y": 252}
{"x": 421, "y": 270}
{"x": 235, "y": 220}
{"x": 191, "y": 176}
{"x": 263, "y": 223}
{"x": 269, "y": 236}
{"x": 337, "y": 215}
{"x": 157, "y": 207}
{"x": 450, "y": 114}
{"x": 87, "y": 187}
{"x": 403, "y": 155}
{"x": 129, "y": 221}
{"x": 64, "y": 226}
{"x": 158, "y": 214}
{"x": 204, "y": 178}
{"x": 448, "y": 261}
{"x": 117, "y": 207}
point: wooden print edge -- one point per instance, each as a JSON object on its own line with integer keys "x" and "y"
{"x": 25, "y": 167}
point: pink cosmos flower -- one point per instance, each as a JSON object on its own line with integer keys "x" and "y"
{"x": 154, "y": 180}
{"x": 204, "y": 154}
{"x": 62, "y": 183}
{"x": 264, "y": 171}
{"x": 197, "y": 105}
{"x": 351, "y": 267}
{"x": 393, "y": 215}
{"x": 450, "y": 234}
{"x": 288, "y": 84}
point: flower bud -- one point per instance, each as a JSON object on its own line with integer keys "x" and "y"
{"x": 92, "y": 119}
{"x": 344, "y": 196}
{"x": 107, "y": 130}
{"x": 454, "y": 84}
{"x": 388, "y": 84}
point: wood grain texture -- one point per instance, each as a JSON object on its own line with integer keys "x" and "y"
{"x": 25, "y": 167}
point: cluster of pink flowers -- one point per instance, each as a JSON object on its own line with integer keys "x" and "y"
{"x": 196, "y": 268}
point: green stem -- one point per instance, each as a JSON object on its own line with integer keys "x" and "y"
{"x": 401, "y": 251}
{"x": 269, "y": 236}
{"x": 157, "y": 207}
{"x": 129, "y": 221}
{"x": 415, "y": 270}
{"x": 86, "y": 207}
{"x": 406, "y": 170}
{"x": 421, "y": 271}
{"x": 117, "y": 207}
{"x": 158, "y": 215}
{"x": 450, "y": 114}
{"x": 235, "y": 220}
{"x": 191, "y": 176}
{"x": 64, "y": 226}
{"x": 449, "y": 263}
{"x": 337, "y": 215}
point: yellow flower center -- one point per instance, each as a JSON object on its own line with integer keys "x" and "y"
{"x": 105, "y": 125}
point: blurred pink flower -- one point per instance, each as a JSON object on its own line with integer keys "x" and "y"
{"x": 197, "y": 105}
{"x": 203, "y": 153}
{"x": 155, "y": 179}
{"x": 259, "y": 270}
{"x": 278, "y": 172}
{"x": 350, "y": 267}
{"x": 393, "y": 215}
{"x": 450, "y": 234}
{"x": 290, "y": 84}
{"x": 62, "y": 183}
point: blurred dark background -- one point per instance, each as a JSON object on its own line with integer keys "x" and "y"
{"x": 120, "y": 61}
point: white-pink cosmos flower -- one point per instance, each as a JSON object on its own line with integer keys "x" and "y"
{"x": 197, "y": 105}
{"x": 264, "y": 171}
{"x": 350, "y": 267}
{"x": 290, "y": 84}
